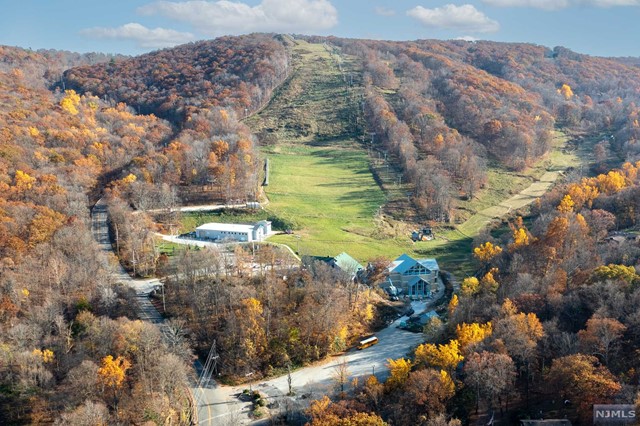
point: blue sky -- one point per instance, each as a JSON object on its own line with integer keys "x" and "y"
{"x": 597, "y": 27}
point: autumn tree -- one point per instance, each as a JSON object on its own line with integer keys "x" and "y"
{"x": 520, "y": 334}
{"x": 325, "y": 413}
{"x": 469, "y": 286}
{"x": 453, "y": 304}
{"x": 471, "y": 334}
{"x": 399, "y": 370}
{"x": 520, "y": 236}
{"x": 112, "y": 374}
{"x": 424, "y": 396}
{"x": 565, "y": 90}
{"x": 566, "y": 205}
{"x": 600, "y": 335}
{"x": 583, "y": 381}
{"x": 372, "y": 392}
{"x": 488, "y": 283}
{"x": 341, "y": 375}
{"x": 490, "y": 374}
{"x": 446, "y": 356}
{"x": 487, "y": 251}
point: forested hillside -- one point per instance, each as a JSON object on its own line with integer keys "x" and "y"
{"x": 68, "y": 347}
{"x": 230, "y": 72}
{"x": 548, "y": 316}
{"x": 45, "y": 67}
{"x": 445, "y": 109}
{"x": 69, "y": 350}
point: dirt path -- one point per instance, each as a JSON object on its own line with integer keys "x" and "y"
{"x": 525, "y": 197}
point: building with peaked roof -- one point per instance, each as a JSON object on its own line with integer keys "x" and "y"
{"x": 413, "y": 277}
{"x": 234, "y": 232}
{"x": 346, "y": 263}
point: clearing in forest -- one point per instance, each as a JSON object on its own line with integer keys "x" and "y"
{"x": 321, "y": 174}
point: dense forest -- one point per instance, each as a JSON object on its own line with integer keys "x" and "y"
{"x": 238, "y": 73}
{"x": 548, "y": 315}
{"x": 544, "y": 325}
{"x": 71, "y": 347}
{"x": 445, "y": 109}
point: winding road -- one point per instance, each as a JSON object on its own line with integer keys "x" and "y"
{"x": 220, "y": 405}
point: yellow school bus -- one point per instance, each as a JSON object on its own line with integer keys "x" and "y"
{"x": 368, "y": 342}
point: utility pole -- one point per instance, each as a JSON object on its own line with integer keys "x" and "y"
{"x": 164, "y": 305}
{"x": 289, "y": 379}
{"x": 209, "y": 366}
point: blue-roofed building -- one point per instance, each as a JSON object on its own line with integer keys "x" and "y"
{"x": 413, "y": 277}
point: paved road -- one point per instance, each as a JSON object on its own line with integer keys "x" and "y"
{"x": 146, "y": 311}
{"x": 219, "y": 405}
{"x": 313, "y": 381}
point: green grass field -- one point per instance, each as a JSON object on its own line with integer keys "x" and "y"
{"x": 321, "y": 175}
{"x": 332, "y": 196}
{"x": 509, "y": 191}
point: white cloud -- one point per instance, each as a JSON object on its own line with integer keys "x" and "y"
{"x": 230, "y": 17}
{"x": 536, "y": 4}
{"x": 143, "y": 36}
{"x": 466, "y": 38}
{"x": 560, "y": 4}
{"x": 383, "y": 11}
{"x": 465, "y": 17}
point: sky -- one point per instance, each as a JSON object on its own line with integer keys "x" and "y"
{"x": 595, "y": 27}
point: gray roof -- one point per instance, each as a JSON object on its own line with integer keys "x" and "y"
{"x": 416, "y": 279}
{"x": 347, "y": 263}
{"x": 406, "y": 262}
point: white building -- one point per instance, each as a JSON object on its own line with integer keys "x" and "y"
{"x": 234, "y": 232}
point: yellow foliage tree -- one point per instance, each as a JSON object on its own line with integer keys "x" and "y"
{"x": 322, "y": 413}
{"x": 70, "y": 102}
{"x": 130, "y": 178}
{"x": 487, "y": 251}
{"x": 583, "y": 193}
{"x": 489, "y": 282}
{"x": 566, "y": 205}
{"x": 399, "y": 370}
{"x": 470, "y": 286}
{"x": 447, "y": 383}
{"x": 453, "y": 304}
{"x": 611, "y": 183}
{"x": 566, "y": 91}
{"x": 520, "y": 238}
{"x": 23, "y": 182}
{"x": 44, "y": 224}
{"x": 470, "y": 334}
{"x": 46, "y": 355}
{"x": 446, "y": 357}
{"x": 113, "y": 371}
